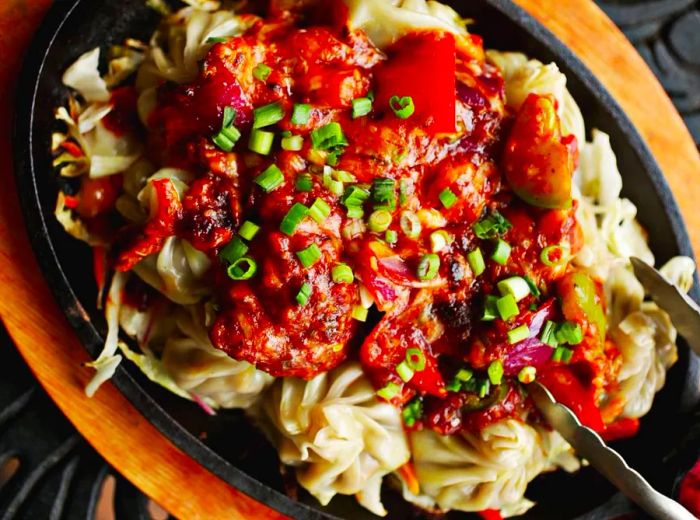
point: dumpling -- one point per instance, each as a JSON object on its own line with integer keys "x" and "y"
{"x": 386, "y": 21}
{"x": 525, "y": 76}
{"x": 340, "y": 438}
{"x": 202, "y": 370}
{"x": 489, "y": 470}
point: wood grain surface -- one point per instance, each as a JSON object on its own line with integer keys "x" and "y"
{"x": 108, "y": 421}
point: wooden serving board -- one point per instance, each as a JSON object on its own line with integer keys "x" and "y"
{"x": 108, "y": 421}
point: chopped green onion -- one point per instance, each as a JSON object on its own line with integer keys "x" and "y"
{"x": 403, "y": 107}
{"x": 333, "y": 185}
{"x": 404, "y": 190}
{"x": 439, "y": 240}
{"x": 448, "y": 198}
{"x": 286, "y": 133}
{"x": 343, "y": 176}
{"x": 507, "y": 307}
{"x": 270, "y": 179}
{"x": 483, "y": 387}
{"x": 354, "y": 196}
{"x": 304, "y": 182}
{"x": 229, "y": 117}
{"x": 267, "y": 115}
{"x": 527, "y": 375}
{"x": 304, "y": 293}
{"x": 355, "y": 212}
{"x": 412, "y": 412}
{"x": 319, "y": 210}
{"x": 476, "y": 261}
{"x": 261, "y": 141}
{"x": 262, "y": 72}
{"x": 490, "y": 308}
{"x": 493, "y": 226}
{"x": 234, "y": 250}
{"x": 242, "y": 269}
{"x": 390, "y": 391}
{"x": 533, "y": 287}
{"x": 391, "y": 236}
{"x": 379, "y": 221}
{"x": 359, "y": 313}
{"x": 415, "y": 359}
{"x": 383, "y": 193}
{"x": 518, "y": 334}
{"x": 227, "y": 138}
{"x": 301, "y": 114}
{"x": 552, "y": 256}
{"x": 562, "y": 354}
{"x": 328, "y": 136}
{"x": 332, "y": 158}
{"x": 410, "y": 224}
{"x": 404, "y": 371}
{"x": 515, "y": 285}
{"x": 569, "y": 332}
{"x": 361, "y": 107}
{"x": 453, "y": 386}
{"x": 217, "y": 39}
{"x": 293, "y": 218}
{"x": 501, "y": 252}
{"x": 309, "y": 256}
{"x": 464, "y": 375}
{"x": 495, "y": 372}
{"x": 342, "y": 273}
{"x": 249, "y": 230}
{"x": 548, "y": 336}
{"x": 293, "y": 143}
{"x": 428, "y": 267}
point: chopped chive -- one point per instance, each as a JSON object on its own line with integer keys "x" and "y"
{"x": 562, "y": 354}
{"x": 518, "y": 334}
{"x": 567, "y": 355}
{"x": 384, "y": 193}
{"x": 490, "y": 308}
{"x": 333, "y": 185}
{"x": 569, "y": 332}
{"x": 453, "y": 386}
{"x": 261, "y": 141}
{"x": 390, "y": 391}
{"x": 483, "y": 387}
{"x": 304, "y": 182}
{"x": 301, "y": 114}
{"x": 476, "y": 261}
{"x": 262, "y": 72}
{"x": 361, "y": 107}
{"x": 428, "y": 267}
{"x": 309, "y": 256}
{"x": 328, "y": 136}
{"x": 319, "y": 210}
{"x": 293, "y": 218}
{"x": 464, "y": 375}
{"x": 304, "y": 293}
{"x": 217, "y": 39}
{"x": 552, "y": 256}
{"x": 415, "y": 358}
{"x": 492, "y": 226}
{"x": 410, "y": 224}
{"x": 404, "y": 371}
{"x": 249, "y": 230}
{"x": 507, "y": 307}
{"x": 342, "y": 273}
{"x": 356, "y": 212}
{"x": 501, "y": 252}
{"x": 412, "y": 412}
{"x": 515, "y": 285}
{"x": 270, "y": 179}
{"x": 234, "y": 250}
{"x": 448, "y": 198}
{"x": 242, "y": 269}
{"x": 495, "y": 372}
{"x": 223, "y": 141}
{"x": 403, "y": 107}
{"x": 292, "y": 143}
{"x": 343, "y": 176}
{"x": 548, "y": 336}
{"x": 527, "y": 374}
{"x": 533, "y": 287}
{"x": 267, "y": 115}
{"x": 359, "y": 313}
{"x": 391, "y": 236}
{"x": 379, "y": 221}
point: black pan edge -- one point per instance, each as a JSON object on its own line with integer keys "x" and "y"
{"x": 36, "y": 222}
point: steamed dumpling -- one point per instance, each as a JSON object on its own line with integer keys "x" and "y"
{"x": 489, "y": 470}
{"x": 336, "y": 433}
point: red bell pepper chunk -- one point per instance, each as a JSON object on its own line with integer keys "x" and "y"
{"x": 569, "y": 391}
{"x": 422, "y": 66}
{"x": 621, "y": 429}
{"x": 490, "y": 514}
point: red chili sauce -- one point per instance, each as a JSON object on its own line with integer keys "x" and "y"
{"x": 460, "y": 158}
